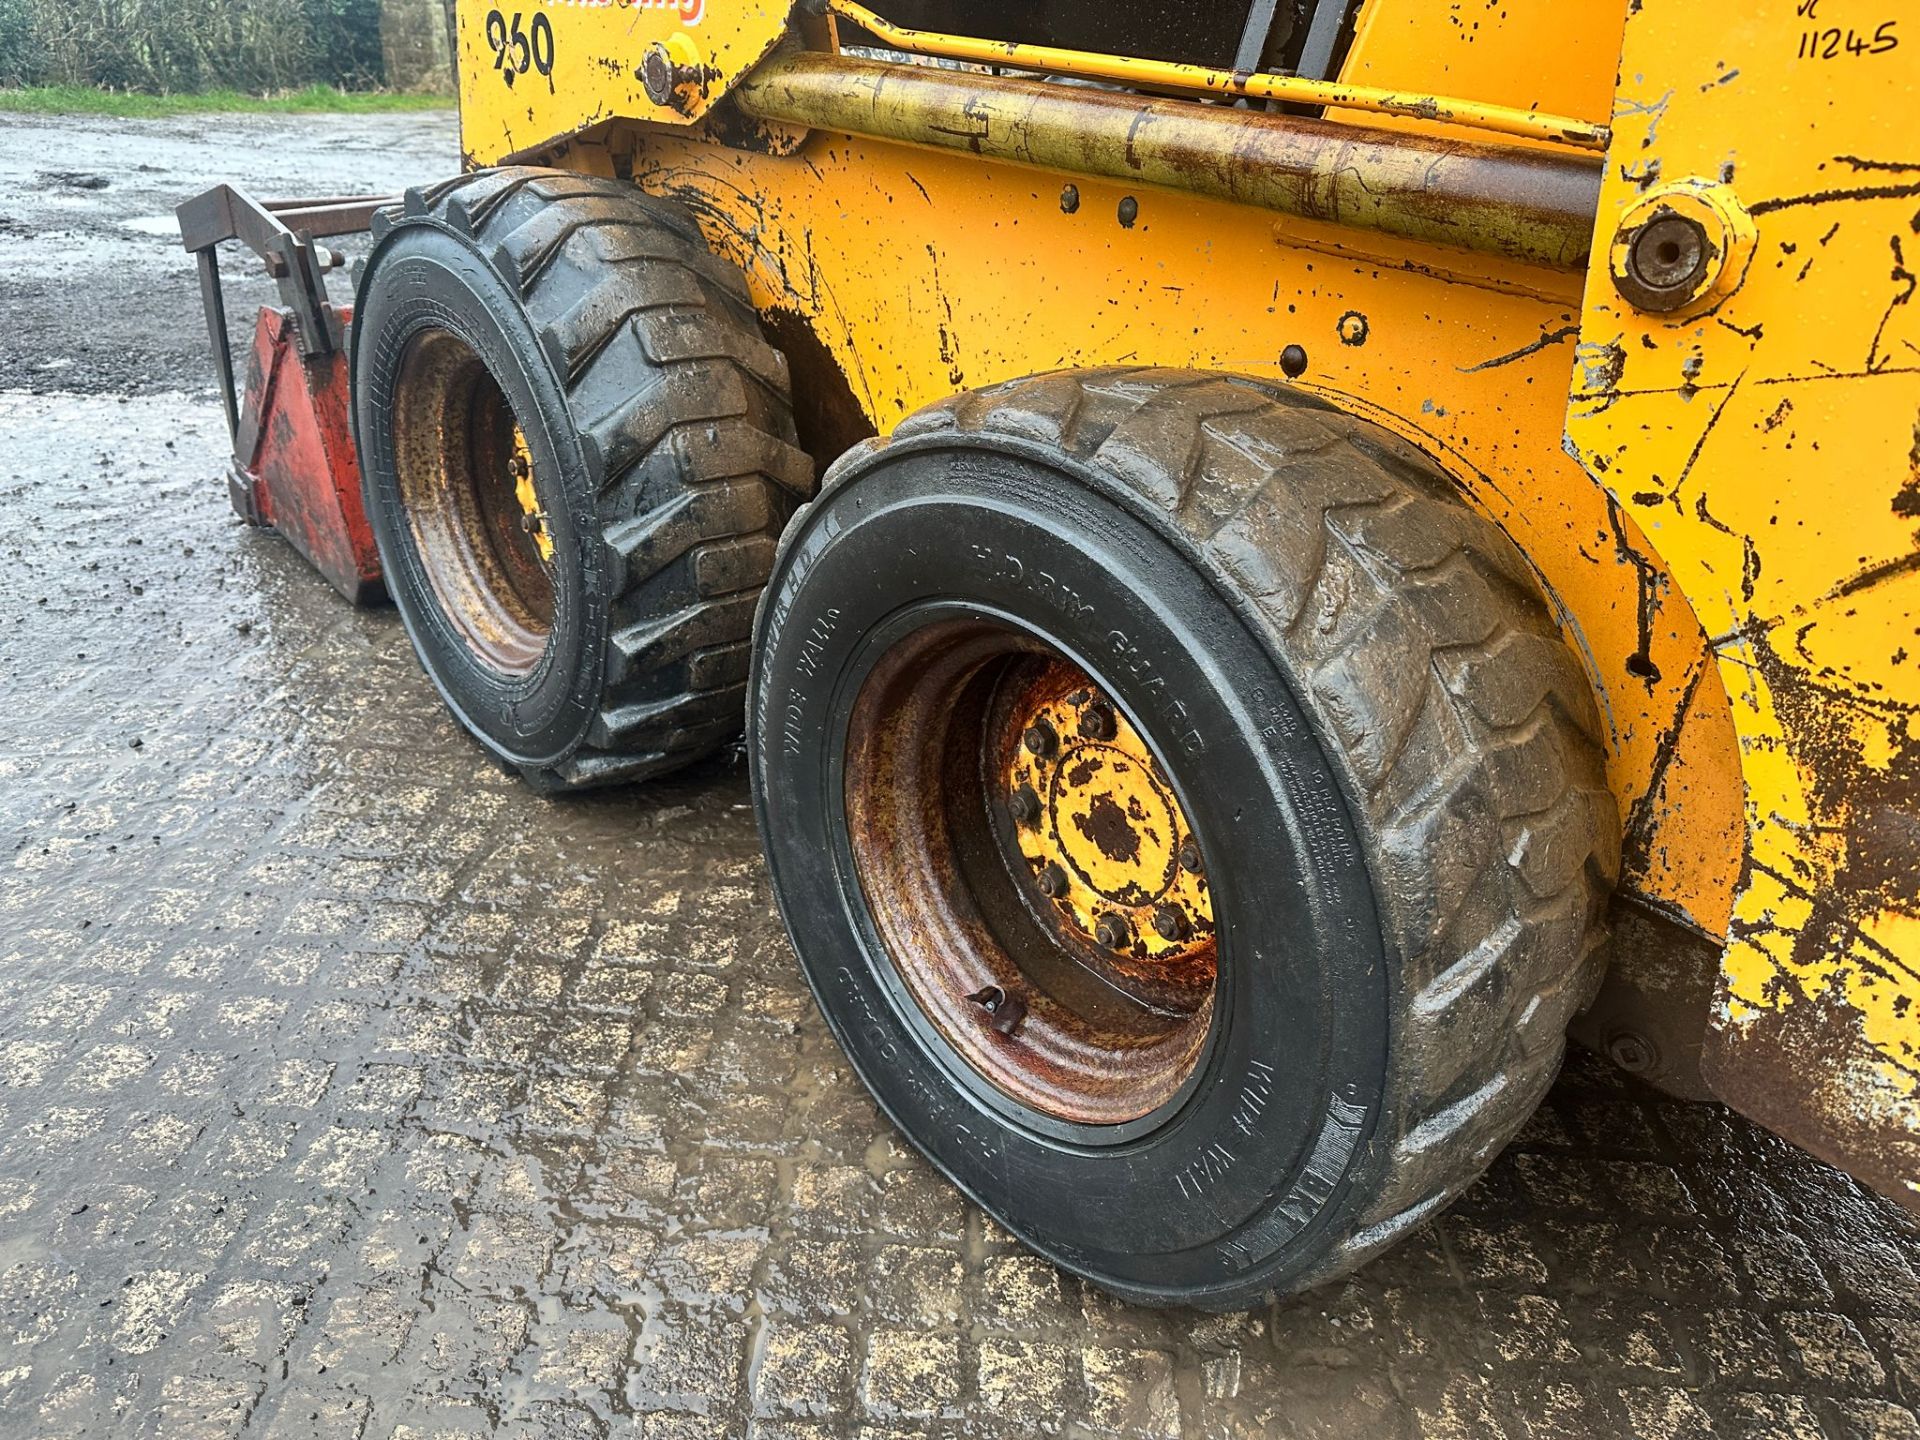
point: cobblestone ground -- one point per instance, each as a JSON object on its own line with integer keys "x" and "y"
{"x": 348, "y": 1089}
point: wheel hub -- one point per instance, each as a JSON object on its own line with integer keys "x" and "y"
{"x": 467, "y": 479}
{"x": 1034, "y": 879}
{"x": 1104, "y": 842}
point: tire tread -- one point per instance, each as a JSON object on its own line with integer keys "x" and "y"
{"x": 699, "y": 468}
{"x": 1434, "y": 669}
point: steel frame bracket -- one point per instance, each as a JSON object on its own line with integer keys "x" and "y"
{"x": 283, "y": 234}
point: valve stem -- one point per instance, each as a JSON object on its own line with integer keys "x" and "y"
{"x": 1007, "y": 1012}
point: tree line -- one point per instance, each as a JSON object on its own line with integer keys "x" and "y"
{"x": 173, "y": 46}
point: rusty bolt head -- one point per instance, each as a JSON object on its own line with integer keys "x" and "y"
{"x": 1053, "y": 881}
{"x": 1170, "y": 923}
{"x": 1024, "y": 805}
{"x": 1293, "y": 361}
{"x": 1633, "y": 1053}
{"x": 1665, "y": 263}
{"x": 1111, "y": 931}
{"x": 656, "y": 74}
{"x": 1097, "y": 723}
{"x": 1190, "y": 860}
{"x": 1040, "y": 740}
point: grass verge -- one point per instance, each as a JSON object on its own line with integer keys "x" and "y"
{"x": 82, "y": 100}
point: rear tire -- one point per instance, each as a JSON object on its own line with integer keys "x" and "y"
{"x": 587, "y": 324}
{"x": 1387, "y": 755}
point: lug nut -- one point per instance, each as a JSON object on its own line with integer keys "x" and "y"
{"x": 1096, "y": 723}
{"x": 1170, "y": 922}
{"x": 1040, "y": 740}
{"x": 1024, "y": 805}
{"x": 1190, "y": 858}
{"x": 1111, "y": 931}
{"x": 1053, "y": 881}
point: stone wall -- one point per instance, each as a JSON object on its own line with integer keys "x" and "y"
{"x": 416, "y": 42}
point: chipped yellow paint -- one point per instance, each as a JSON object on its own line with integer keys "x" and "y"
{"x": 1109, "y": 820}
{"x": 534, "y": 70}
{"x": 1765, "y": 440}
{"x": 931, "y": 272}
{"x": 1715, "y": 211}
{"x": 898, "y": 276}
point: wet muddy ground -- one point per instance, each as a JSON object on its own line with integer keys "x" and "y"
{"x": 348, "y": 1089}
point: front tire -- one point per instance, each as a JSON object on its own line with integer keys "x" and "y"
{"x": 1357, "y": 702}
{"x": 577, "y": 452}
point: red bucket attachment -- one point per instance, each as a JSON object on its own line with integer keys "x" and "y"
{"x": 295, "y": 469}
{"x": 294, "y": 466}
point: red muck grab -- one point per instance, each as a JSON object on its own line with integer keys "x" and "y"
{"x": 294, "y": 466}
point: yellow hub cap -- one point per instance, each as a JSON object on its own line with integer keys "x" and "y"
{"x": 1104, "y": 839}
{"x": 533, "y": 518}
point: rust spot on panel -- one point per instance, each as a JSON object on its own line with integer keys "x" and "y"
{"x": 1803, "y": 1066}
{"x": 1798, "y": 1070}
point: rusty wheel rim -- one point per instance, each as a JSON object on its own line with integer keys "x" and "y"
{"x": 470, "y": 490}
{"x": 1031, "y": 873}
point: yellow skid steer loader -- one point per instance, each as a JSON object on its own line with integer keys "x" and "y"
{"x": 1272, "y": 557}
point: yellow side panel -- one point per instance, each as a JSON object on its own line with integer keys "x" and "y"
{"x": 1545, "y": 55}
{"x": 1768, "y": 447}
{"x": 532, "y": 71}
{"x": 920, "y": 273}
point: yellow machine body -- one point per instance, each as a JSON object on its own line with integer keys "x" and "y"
{"x": 1721, "y": 499}
{"x": 1767, "y": 440}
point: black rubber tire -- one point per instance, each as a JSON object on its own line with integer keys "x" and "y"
{"x": 663, "y": 445}
{"x": 1387, "y": 751}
